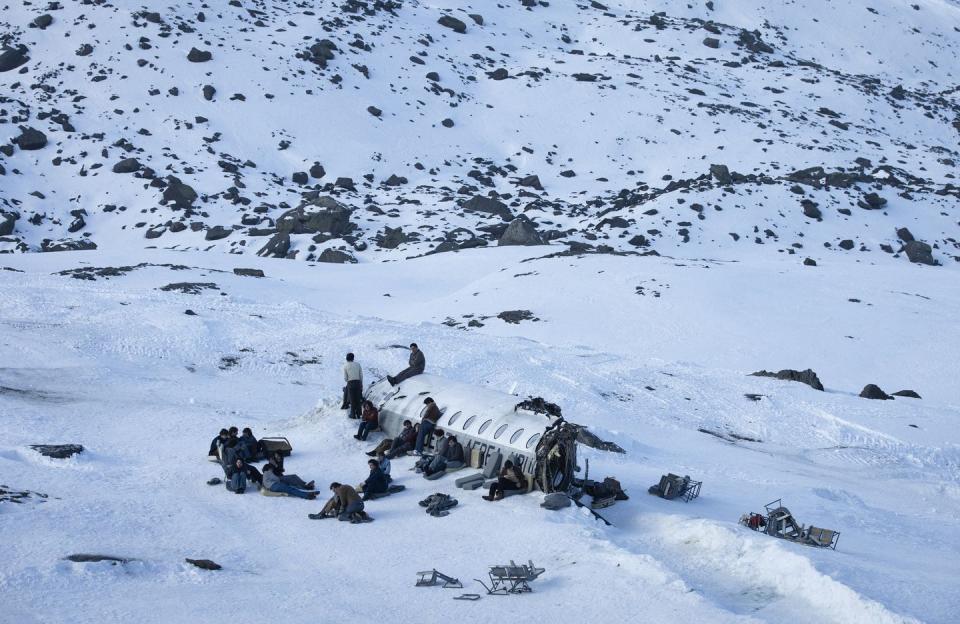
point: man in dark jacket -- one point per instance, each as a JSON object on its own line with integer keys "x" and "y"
{"x": 449, "y": 455}
{"x": 217, "y": 442}
{"x": 431, "y": 414}
{"x": 404, "y": 442}
{"x": 416, "y": 364}
{"x": 249, "y": 446}
{"x": 376, "y": 482}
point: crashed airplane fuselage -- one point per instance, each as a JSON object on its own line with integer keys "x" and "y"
{"x": 539, "y": 441}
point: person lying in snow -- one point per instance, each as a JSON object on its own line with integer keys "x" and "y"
{"x": 345, "y": 504}
{"x": 510, "y": 479}
{"x": 415, "y": 366}
{"x": 376, "y": 482}
{"x": 368, "y": 420}
{"x": 275, "y": 481}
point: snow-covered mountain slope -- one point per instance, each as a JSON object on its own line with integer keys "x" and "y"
{"x": 650, "y": 352}
{"x": 719, "y": 129}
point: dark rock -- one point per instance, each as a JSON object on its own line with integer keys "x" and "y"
{"x": 807, "y": 377}
{"x": 846, "y": 244}
{"x": 336, "y": 256}
{"x": 180, "y": 194}
{"x": 321, "y": 215}
{"x": 515, "y": 316}
{"x": 189, "y": 288}
{"x": 248, "y": 272}
{"x": 277, "y": 247}
{"x": 189, "y": 312}
{"x": 30, "y": 139}
{"x": 87, "y": 558}
{"x": 12, "y": 58}
{"x": 204, "y": 564}
{"x": 477, "y": 18}
{"x": 531, "y": 181}
{"x": 639, "y": 241}
{"x": 487, "y": 205}
{"x": 810, "y": 209}
{"x": 300, "y": 177}
{"x": 199, "y": 56}
{"x": 208, "y": 92}
{"x": 498, "y": 74}
{"x": 919, "y": 253}
{"x": 447, "y": 123}
{"x": 910, "y": 394}
{"x": 721, "y": 173}
{"x": 373, "y": 110}
{"x": 569, "y": 173}
{"x": 345, "y": 183}
{"x": 391, "y": 238}
{"x": 317, "y": 171}
{"x": 58, "y": 451}
{"x": 42, "y": 21}
{"x": 395, "y": 180}
{"x": 217, "y": 232}
{"x": 898, "y": 92}
{"x": 127, "y": 165}
{"x": 872, "y": 201}
{"x": 872, "y": 391}
{"x": 82, "y": 244}
{"x": 521, "y": 231}
{"x": 711, "y": 42}
{"x": 809, "y": 262}
{"x": 84, "y": 50}
{"x": 453, "y": 24}
{"x": 7, "y": 221}
{"x": 905, "y": 235}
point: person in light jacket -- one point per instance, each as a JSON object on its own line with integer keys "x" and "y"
{"x": 276, "y": 482}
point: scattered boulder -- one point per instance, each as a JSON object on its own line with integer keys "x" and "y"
{"x": 711, "y": 42}
{"x": 317, "y": 171}
{"x": 531, "y": 181}
{"x": 810, "y": 210}
{"x": 515, "y": 316}
{"x": 84, "y": 50}
{"x": 249, "y": 272}
{"x": 345, "y": 183}
{"x": 58, "y": 451}
{"x": 88, "y": 558}
{"x": 521, "y": 231}
{"x": 180, "y": 194}
{"x": 208, "y": 92}
{"x": 127, "y": 165}
{"x": 721, "y": 174}
{"x": 30, "y": 139}
{"x": 12, "y": 58}
{"x": 373, "y": 110}
{"x": 300, "y": 177}
{"x": 391, "y": 238}
{"x": 42, "y": 21}
{"x": 336, "y": 256}
{"x": 910, "y": 394}
{"x": 807, "y": 377}
{"x": 395, "y": 180}
{"x": 277, "y": 247}
{"x": 905, "y": 235}
{"x": 453, "y": 24}
{"x": 321, "y": 215}
{"x": 872, "y": 201}
{"x": 487, "y": 205}
{"x": 81, "y": 244}
{"x": 919, "y": 253}
{"x": 199, "y": 56}
{"x": 204, "y": 564}
{"x": 846, "y": 244}
{"x": 190, "y": 288}
{"x": 7, "y": 221}
{"x": 217, "y": 232}
{"x": 809, "y": 262}
{"x": 872, "y": 391}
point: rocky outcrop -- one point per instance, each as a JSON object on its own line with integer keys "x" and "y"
{"x": 521, "y": 231}
{"x": 806, "y": 377}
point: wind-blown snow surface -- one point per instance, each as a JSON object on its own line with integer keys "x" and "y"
{"x": 645, "y": 351}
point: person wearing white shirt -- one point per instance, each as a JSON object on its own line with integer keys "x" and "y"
{"x": 353, "y": 376}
